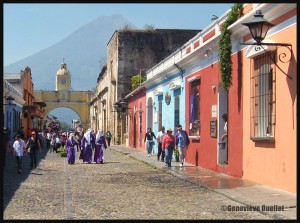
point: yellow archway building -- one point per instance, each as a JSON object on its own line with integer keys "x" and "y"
{"x": 63, "y": 97}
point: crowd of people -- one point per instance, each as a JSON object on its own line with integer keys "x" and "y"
{"x": 55, "y": 141}
{"x": 167, "y": 143}
{"x": 86, "y": 143}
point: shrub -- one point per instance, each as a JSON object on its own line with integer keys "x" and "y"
{"x": 63, "y": 154}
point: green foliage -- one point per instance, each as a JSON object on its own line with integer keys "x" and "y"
{"x": 176, "y": 152}
{"x": 137, "y": 80}
{"x": 63, "y": 154}
{"x": 61, "y": 149}
{"x": 225, "y": 46}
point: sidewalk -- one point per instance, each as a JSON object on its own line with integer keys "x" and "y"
{"x": 245, "y": 192}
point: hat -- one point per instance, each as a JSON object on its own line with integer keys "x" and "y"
{"x": 33, "y": 133}
{"x": 169, "y": 130}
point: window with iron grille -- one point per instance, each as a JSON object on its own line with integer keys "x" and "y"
{"x": 262, "y": 98}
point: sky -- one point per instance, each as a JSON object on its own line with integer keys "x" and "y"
{"x": 31, "y": 27}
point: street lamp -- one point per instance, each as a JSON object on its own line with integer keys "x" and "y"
{"x": 9, "y": 99}
{"x": 259, "y": 27}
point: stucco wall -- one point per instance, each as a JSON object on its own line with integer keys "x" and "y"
{"x": 267, "y": 163}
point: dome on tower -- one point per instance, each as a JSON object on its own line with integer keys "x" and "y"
{"x": 63, "y": 69}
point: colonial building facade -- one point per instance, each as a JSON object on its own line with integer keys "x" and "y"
{"x": 186, "y": 88}
{"x": 128, "y": 53}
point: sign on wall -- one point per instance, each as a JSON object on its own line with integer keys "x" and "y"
{"x": 213, "y": 129}
{"x": 214, "y": 111}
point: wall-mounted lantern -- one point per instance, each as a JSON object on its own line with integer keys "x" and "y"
{"x": 9, "y": 100}
{"x": 259, "y": 28}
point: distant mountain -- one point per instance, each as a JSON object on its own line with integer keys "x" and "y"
{"x": 84, "y": 52}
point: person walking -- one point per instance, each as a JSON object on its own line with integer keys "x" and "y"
{"x": 78, "y": 139}
{"x": 34, "y": 144}
{"x": 49, "y": 137}
{"x": 149, "y": 137}
{"x": 57, "y": 142}
{"x": 100, "y": 147}
{"x": 52, "y": 143}
{"x": 19, "y": 147}
{"x": 168, "y": 144}
{"x": 182, "y": 142}
{"x": 70, "y": 145}
{"x": 108, "y": 137}
{"x": 87, "y": 145}
{"x": 160, "y": 136}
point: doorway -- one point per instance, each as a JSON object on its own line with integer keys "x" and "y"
{"x": 222, "y": 148}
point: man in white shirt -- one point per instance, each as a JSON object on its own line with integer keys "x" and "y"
{"x": 159, "y": 138}
{"x": 19, "y": 147}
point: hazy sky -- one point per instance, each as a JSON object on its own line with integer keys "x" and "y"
{"x": 30, "y": 27}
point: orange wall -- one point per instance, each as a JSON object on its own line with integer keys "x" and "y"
{"x": 28, "y": 95}
{"x": 274, "y": 164}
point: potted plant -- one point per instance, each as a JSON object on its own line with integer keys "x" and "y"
{"x": 176, "y": 154}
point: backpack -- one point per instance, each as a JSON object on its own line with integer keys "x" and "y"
{"x": 108, "y": 135}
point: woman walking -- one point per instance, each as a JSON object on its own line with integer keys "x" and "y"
{"x": 100, "y": 147}
{"x": 70, "y": 145}
{"x": 168, "y": 144}
{"x": 149, "y": 138}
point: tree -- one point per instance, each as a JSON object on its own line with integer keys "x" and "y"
{"x": 137, "y": 80}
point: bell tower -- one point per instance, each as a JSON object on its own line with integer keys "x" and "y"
{"x": 63, "y": 82}
{"x": 63, "y": 78}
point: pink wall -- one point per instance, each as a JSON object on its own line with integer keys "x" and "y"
{"x": 204, "y": 152}
{"x": 135, "y": 100}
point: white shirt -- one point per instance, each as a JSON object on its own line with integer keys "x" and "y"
{"x": 58, "y": 140}
{"x": 49, "y": 135}
{"x": 160, "y": 136}
{"x": 19, "y": 147}
{"x": 225, "y": 127}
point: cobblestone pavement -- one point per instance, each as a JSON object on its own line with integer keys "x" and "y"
{"x": 121, "y": 188}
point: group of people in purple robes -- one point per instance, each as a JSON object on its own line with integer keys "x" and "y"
{"x": 88, "y": 142}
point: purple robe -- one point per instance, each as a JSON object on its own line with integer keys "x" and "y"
{"x": 87, "y": 149}
{"x": 71, "y": 151}
{"x": 99, "y": 150}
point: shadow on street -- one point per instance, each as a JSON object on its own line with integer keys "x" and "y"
{"x": 12, "y": 179}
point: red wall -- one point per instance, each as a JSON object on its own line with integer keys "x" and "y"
{"x": 135, "y": 100}
{"x": 203, "y": 152}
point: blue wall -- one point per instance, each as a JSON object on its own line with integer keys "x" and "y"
{"x": 168, "y": 111}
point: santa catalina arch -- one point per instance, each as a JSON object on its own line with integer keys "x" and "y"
{"x": 64, "y": 97}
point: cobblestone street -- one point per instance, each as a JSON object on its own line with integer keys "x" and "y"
{"x": 121, "y": 188}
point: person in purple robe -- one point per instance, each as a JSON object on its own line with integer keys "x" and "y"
{"x": 87, "y": 145}
{"x": 70, "y": 145}
{"x": 100, "y": 146}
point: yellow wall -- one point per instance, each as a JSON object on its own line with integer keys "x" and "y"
{"x": 274, "y": 164}
{"x": 78, "y": 101}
